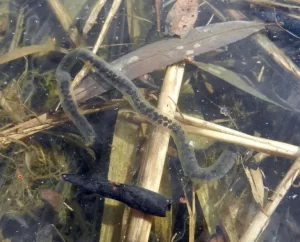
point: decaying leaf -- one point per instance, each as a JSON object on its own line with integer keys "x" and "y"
{"x": 166, "y": 52}
{"x": 257, "y": 186}
{"x": 243, "y": 83}
{"x": 200, "y": 40}
{"x": 182, "y": 17}
{"x": 52, "y": 197}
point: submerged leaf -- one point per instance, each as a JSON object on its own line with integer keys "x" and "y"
{"x": 182, "y": 17}
{"x": 166, "y": 52}
{"x": 241, "y": 82}
{"x": 29, "y": 50}
{"x": 52, "y": 197}
{"x": 200, "y": 40}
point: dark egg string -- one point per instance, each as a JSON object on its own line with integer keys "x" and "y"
{"x": 117, "y": 79}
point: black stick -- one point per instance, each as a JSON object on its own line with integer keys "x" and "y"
{"x": 141, "y": 199}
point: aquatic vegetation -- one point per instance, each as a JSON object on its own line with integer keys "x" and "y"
{"x": 240, "y": 86}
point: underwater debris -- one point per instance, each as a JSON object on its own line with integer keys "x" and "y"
{"x": 133, "y": 196}
{"x": 220, "y": 235}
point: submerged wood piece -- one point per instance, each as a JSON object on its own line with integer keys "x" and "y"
{"x": 121, "y": 169}
{"x": 135, "y": 197}
{"x": 154, "y": 158}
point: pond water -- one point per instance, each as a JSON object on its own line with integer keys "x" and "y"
{"x": 149, "y": 120}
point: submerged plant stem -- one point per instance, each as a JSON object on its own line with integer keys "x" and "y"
{"x": 153, "y": 160}
{"x": 86, "y": 68}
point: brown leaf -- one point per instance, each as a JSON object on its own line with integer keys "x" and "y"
{"x": 200, "y": 40}
{"x": 182, "y": 17}
{"x": 166, "y": 52}
{"x": 52, "y": 197}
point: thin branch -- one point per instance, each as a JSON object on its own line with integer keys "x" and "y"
{"x": 85, "y": 69}
{"x": 93, "y": 16}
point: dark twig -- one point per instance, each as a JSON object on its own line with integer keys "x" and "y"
{"x": 139, "y": 198}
